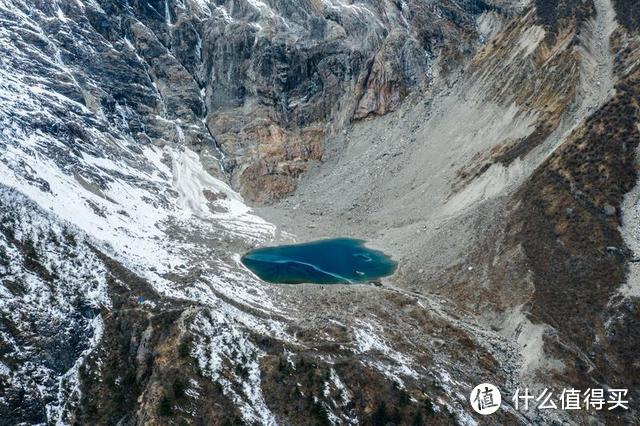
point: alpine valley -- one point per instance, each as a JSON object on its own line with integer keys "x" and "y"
{"x": 488, "y": 146}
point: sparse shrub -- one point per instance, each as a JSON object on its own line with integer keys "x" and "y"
{"x": 9, "y": 232}
{"x": 179, "y": 388}
{"x": 165, "y": 408}
{"x": 4, "y": 261}
{"x": 417, "y": 420}
{"x": 404, "y": 397}
{"x": 380, "y": 417}
{"x": 184, "y": 348}
{"x": 129, "y": 378}
{"x": 54, "y": 272}
{"x": 30, "y": 250}
{"x": 321, "y": 414}
{"x": 429, "y": 408}
{"x": 241, "y": 371}
{"x": 282, "y": 364}
{"x": 53, "y": 237}
{"x": 69, "y": 238}
{"x": 32, "y": 261}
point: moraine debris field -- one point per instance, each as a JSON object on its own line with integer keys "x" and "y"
{"x": 319, "y": 212}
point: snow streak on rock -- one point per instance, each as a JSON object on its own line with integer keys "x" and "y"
{"x": 222, "y": 345}
{"x": 75, "y": 179}
{"x": 53, "y": 288}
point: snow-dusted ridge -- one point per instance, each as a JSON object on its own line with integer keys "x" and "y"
{"x": 53, "y": 289}
{"x": 68, "y": 172}
{"x": 113, "y": 204}
{"x": 149, "y": 197}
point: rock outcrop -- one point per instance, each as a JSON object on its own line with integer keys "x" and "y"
{"x": 490, "y": 147}
{"x": 300, "y": 69}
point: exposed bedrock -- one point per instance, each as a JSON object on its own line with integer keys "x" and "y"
{"x": 503, "y": 193}
{"x": 490, "y": 148}
{"x": 302, "y": 70}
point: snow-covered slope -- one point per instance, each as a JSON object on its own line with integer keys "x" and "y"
{"x": 121, "y": 240}
{"x": 74, "y": 182}
{"x": 128, "y": 129}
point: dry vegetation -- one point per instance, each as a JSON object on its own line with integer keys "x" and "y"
{"x": 567, "y": 223}
{"x": 143, "y": 368}
{"x": 542, "y": 82}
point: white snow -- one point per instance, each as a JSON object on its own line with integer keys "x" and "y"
{"x": 145, "y": 207}
{"x": 221, "y": 341}
{"x": 367, "y": 341}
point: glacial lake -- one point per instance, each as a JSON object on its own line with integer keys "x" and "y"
{"x": 334, "y": 261}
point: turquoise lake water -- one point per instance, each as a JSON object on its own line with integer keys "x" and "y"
{"x": 335, "y": 261}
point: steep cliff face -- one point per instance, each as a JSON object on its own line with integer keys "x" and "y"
{"x": 271, "y": 80}
{"x": 122, "y": 296}
{"x": 280, "y": 77}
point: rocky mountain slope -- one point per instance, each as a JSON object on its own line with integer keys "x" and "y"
{"x": 508, "y": 194}
{"x": 490, "y": 147}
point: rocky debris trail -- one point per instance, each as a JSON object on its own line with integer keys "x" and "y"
{"x": 505, "y": 352}
{"x": 600, "y": 48}
{"x": 595, "y": 89}
{"x": 630, "y": 231}
{"x": 596, "y": 73}
{"x": 630, "y": 228}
